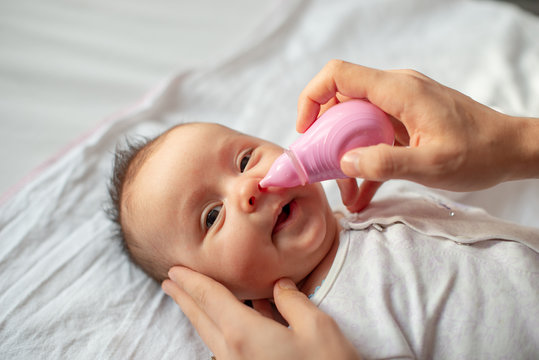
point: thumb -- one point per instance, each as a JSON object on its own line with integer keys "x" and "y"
{"x": 293, "y": 305}
{"x": 383, "y": 162}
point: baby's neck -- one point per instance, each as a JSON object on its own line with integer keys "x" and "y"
{"x": 315, "y": 278}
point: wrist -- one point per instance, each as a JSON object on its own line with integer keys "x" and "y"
{"x": 525, "y": 139}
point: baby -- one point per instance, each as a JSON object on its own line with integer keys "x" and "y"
{"x": 191, "y": 197}
{"x": 413, "y": 276}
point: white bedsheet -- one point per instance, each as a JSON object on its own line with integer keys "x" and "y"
{"x": 67, "y": 291}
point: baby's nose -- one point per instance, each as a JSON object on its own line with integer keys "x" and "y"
{"x": 249, "y": 195}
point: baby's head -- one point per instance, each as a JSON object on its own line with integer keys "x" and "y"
{"x": 191, "y": 197}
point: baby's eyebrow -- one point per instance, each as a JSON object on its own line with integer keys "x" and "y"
{"x": 225, "y": 154}
{"x": 192, "y": 205}
{"x": 194, "y": 198}
{"x": 227, "y": 149}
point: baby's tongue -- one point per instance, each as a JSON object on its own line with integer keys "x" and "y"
{"x": 283, "y": 215}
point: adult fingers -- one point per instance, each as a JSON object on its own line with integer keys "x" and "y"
{"x": 357, "y": 198}
{"x": 337, "y": 77}
{"x": 205, "y": 327}
{"x": 324, "y": 107}
{"x": 268, "y": 310}
{"x": 295, "y": 307}
{"x": 349, "y": 190}
{"x": 317, "y": 334}
{"x": 367, "y": 190}
{"x": 393, "y": 91}
{"x": 338, "y": 98}
{"x": 210, "y": 299}
{"x": 383, "y": 162}
{"x": 402, "y": 137}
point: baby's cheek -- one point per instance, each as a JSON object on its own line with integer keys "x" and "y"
{"x": 309, "y": 237}
{"x": 246, "y": 265}
{"x": 249, "y": 269}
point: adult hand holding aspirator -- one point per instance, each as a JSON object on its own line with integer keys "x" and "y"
{"x": 448, "y": 140}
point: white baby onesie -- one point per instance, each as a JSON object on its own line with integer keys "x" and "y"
{"x": 422, "y": 277}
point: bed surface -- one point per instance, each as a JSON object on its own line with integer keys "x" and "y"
{"x": 79, "y": 76}
{"x": 66, "y": 66}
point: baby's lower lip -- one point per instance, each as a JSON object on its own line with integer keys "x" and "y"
{"x": 281, "y": 224}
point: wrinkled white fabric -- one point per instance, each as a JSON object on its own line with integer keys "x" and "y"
{"x": 460, "y": 284}
{"x": 66, "y": 289}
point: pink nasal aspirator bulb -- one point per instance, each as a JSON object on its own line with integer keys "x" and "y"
{"x": 315, "y": 155}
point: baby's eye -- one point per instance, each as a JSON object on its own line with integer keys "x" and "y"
{"x": 244, "y": 161}
{"x": 212, "y": 216}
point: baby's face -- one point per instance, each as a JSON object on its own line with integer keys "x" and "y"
{"x": 196, "y": 202}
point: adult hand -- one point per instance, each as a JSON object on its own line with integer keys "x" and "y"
{"x": 233, "y": 330}
{"x": 447, "y": 139}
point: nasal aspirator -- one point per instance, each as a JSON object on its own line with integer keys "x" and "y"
{"x": 315, "y": 155}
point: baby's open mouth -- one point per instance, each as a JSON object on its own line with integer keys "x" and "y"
{"x": 283, "y": 216}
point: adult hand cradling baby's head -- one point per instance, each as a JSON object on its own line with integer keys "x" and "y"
{"x": 233, "y": 330}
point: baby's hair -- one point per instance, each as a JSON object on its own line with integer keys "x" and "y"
{"x": 129, "y": 158}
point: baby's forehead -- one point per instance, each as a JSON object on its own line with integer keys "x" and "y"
{"x": 203, "y": 130}
{"x": 193, "y": 138}
{"x": 187, "y": 160}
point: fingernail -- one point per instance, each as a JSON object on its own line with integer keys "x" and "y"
{"x": 286, "y": 284}
{"x": 173, "y": 273}
{"x": 165, "y": 285}
{"x": 350, "y": 162}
